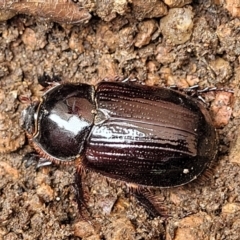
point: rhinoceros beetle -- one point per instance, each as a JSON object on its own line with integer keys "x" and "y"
{"x": 144, "y": 136}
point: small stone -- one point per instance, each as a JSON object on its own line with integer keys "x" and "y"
{"x": 221, "y": 109}
{"x": 196, "y": 226}
{"x": 7, "y": 169}
{"x": 104, "y": 11}
{"x": 3, "y": 232}
{"x": 146, "y": 29}
{"x": 222, "y": 69}
{"x": 175, "y": 197}
{"x": 177, "y": 3}
{"x": 6, "y": 14}
{"x": 83, "y": 229}
{"x": 106, "y": 39}
{"x": 192, "y": 80}
{"x": 152, "y": 79}
{"x": 230, "y": 208}
{"x": 152, "y": 66}
{"x": 232, "y": 6}
{"x": 75, "y": 43}
{"x": 107, "y": 68}
{"x": 29, "y": 38}
{"x": 121, "y": 205}
{"x": 120, "y": 6}
{"x": 144, "y": 9}
{"x": 45, "y": 192}
{"x": 177, "y": 26}
{"x": 34, "y": 203}
{"x": 122, "y": 227}
{"x": 164, "y": 54}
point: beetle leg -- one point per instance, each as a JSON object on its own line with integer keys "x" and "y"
{"x": 79, "y": 195}
{"x": 43, "y": 162}
{"x": 205, "y": 177}
{"x": 147, "y": 199}
{"x": 34, "y": 159}
{"x": 30, "y": 159}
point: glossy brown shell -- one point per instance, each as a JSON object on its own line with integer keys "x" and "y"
{"x": 149, "y": 136}
{"x": 144, "y": 135}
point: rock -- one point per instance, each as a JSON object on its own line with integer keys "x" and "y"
{"x": 177, "y": 26}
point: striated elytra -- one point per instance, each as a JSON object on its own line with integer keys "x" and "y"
{"x": 145, "y": 136}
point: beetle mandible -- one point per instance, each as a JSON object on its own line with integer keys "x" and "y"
{"x": 144, "y": 136}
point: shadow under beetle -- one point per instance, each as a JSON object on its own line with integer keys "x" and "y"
{"x": 144, "y": 136}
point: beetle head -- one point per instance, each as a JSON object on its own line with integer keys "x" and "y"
{"x": 60, "y": 123}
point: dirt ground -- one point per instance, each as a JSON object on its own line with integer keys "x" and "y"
{"x": 198, "y": 43}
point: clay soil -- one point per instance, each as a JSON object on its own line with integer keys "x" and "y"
{"x": 130, "y": 42}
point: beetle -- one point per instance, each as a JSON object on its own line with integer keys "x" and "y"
{"x": 144, "y": 136}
